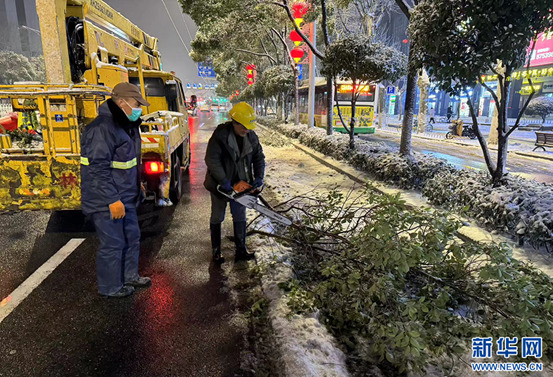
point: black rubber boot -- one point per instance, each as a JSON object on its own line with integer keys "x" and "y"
{"x": 215, "y": 230}
{"x": 242, "y": 252}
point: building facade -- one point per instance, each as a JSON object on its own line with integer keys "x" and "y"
{"x": 394, "y": 31}
{"x": 19, "y": 27}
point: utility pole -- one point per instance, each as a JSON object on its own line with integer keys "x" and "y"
{"x": 312, "y": 64}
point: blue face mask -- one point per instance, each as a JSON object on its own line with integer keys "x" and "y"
{"x": 136, "y": 113}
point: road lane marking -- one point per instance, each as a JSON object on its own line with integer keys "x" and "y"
{"x": 33, "y": 281}
{"x": 201, "y": 125}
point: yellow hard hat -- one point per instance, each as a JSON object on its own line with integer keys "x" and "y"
{"x": 243, "y": 114}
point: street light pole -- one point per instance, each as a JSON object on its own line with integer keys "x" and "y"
{"x": 30, "y": 29}
{"x": 312, "y": 64}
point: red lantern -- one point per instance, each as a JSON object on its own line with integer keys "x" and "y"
{"x": 299, "y": 10}
{"x": 297, "y": 54}
{"x": 296, "y": 37}
{"x": 250, "y": 75}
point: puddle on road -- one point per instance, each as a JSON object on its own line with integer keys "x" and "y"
{"x": 457, "y": 161}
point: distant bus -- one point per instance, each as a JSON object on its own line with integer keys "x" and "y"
{"x": 365, "y": 108}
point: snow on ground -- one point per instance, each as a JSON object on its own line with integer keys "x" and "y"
{"x": 307, "y": 347}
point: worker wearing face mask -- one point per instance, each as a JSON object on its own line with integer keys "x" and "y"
{"x": 110, "y": 187}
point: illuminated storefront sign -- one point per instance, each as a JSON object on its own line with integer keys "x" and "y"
{"x": 527, "y": 89}
{"x": 346, "y": 88}
{"x": 524, "y": 74}
{"x": 542, "y": 55}
{"x": 543, "y": 50}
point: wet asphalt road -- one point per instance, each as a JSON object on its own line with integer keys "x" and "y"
{"x": 464, "y": 156}
{"x": 178, "y": 327}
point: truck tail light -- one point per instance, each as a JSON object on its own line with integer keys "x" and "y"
{"x": 154, "y": 167}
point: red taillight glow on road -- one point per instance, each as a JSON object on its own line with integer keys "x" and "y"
{"x": 154, "y": 167}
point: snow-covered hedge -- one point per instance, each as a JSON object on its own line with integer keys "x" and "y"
{"x": 520, "y": 207}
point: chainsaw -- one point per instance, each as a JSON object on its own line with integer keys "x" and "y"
{"x": 250, "y": 197}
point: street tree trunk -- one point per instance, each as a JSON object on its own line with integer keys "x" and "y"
{"x": 493, "y": 137}
{"x": 410, "y": 96}
{"x": 381, "y": 106}
{"x": 297, "y": 99}
{"x": 399, "y": 104}
{"x": 503, "y": 141}
{"x": 424, "y": 83}
{"x": 352, "y": 123}
{"x": 329, "y": 106}
{"x": 280, "y": 107}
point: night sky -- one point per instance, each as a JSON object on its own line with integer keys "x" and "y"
{"x": 150, "y": 16}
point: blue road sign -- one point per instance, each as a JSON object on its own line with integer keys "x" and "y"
{"x": 195, "y": 86}
{"x": 391, "y": 90}
{"x": 205, "y": 70}
{"x": 188, "y": 86}
{"x": 300, "y": 72}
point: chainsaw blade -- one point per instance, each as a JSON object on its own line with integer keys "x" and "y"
{"x": 250, "y": 201}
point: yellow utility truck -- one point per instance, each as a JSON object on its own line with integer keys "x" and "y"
{"x": 88, "y": 48}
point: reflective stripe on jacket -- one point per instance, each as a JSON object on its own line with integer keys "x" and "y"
{"x": 110, "y": 160}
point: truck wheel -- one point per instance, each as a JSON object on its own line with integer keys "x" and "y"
{"x": 176, "y": 181}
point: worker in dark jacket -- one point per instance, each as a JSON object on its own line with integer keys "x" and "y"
{"x": 110, "y": 186}
{"x": 233, "y": 154}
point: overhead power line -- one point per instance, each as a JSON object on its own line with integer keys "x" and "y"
{"x": 178, "y": 33}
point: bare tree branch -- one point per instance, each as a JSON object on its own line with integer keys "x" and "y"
{"x": 267, "y": 52}
{"x": 405, "y": 8}
{"x": 532, "y": 92}
{"x": 257, "y": 54}
{"x": 490, "y": 90}
{"x": 485, "y": 150}
{"x": 287, "y": 48}
{"x": 324, "y": 25}
{"x": 286, "y": 7}
{"x": 274, "y": 44}
{"x": 338, "y": 106}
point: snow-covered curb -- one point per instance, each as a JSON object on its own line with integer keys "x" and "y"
{"x": 306, "y": 346}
